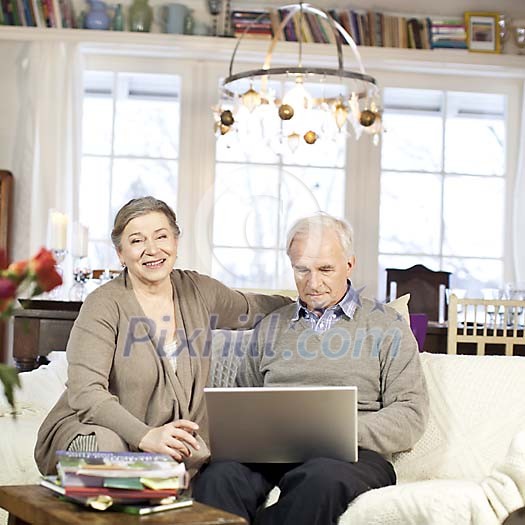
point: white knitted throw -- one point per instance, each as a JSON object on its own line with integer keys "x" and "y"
{"x": 476, "y": 409}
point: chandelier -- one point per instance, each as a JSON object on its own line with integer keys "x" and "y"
{"x": 295, "y": 103}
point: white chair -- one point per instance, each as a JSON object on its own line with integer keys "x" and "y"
{"x": 485, "y": 321}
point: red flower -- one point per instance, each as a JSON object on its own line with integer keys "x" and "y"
{"x": 42, "y": 266}
{"x": 17, "y": 271}
{"x": 7, "y": 289}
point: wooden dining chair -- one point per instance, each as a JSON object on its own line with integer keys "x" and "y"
{"x": 423, "y": 286}
{"x": 484, "y": 322}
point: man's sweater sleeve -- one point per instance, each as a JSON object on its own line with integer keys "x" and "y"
{"x": 402, "y": 419}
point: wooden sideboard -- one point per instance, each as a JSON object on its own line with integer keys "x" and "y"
{"x": 36, "y": 332}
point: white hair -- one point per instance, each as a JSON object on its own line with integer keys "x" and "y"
{"x": 318, "y": 223}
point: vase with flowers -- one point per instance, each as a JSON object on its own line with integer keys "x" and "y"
{"x": 28, "y": 278}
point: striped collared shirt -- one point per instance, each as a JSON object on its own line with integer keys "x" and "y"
{"x": 346, "y": 306}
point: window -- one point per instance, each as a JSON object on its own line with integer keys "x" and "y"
{"x": 262, "y": 186}
{"x": 443, "y": 178}
{"x": 130, "y": 148}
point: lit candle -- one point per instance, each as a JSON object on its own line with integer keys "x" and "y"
{"x": 393, "y": 290}
{"x": 441, "y": 306}
{"x": 80, "y": 240}
{"x": 56, "y": 230}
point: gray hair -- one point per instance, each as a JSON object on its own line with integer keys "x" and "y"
{"x": 136, "y": 208}
{"x": 318, "y": 223}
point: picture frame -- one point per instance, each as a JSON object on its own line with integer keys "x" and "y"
{"x": 483, "y": 32}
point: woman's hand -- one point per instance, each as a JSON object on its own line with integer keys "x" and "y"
{"x": 175, "y": 439}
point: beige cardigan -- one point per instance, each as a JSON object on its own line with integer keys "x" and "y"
{"x": 118, "y": 381}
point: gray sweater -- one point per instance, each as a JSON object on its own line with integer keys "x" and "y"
{"x": 375, "y": 351}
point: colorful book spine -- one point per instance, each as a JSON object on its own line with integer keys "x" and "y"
{"x": 39, "y": 15}
{"x": 30, "y": 15}
{"x": 7, "y": 14}
{"x": 21, "y": 12}
{"x": 14, "y": 11}
{"x": 117, "y": 494}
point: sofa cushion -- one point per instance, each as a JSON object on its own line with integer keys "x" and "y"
{"x": 227, "y": 349}
{"x": 39, "y": 391}
{"x": 400, "y": 305}
{"x": 40, "y": 388}
{"x": 476, "y": 408}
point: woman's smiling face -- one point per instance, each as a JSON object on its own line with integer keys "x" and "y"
{"x": 148, "y": 248}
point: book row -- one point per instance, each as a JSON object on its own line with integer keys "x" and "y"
{"x": 37, "y": 13}
{"x": 367, "y": 28}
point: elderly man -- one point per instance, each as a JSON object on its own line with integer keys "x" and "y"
{"x": 336, "y": 338}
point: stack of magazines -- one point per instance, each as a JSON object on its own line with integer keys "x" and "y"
{"x": 132, "y": 482}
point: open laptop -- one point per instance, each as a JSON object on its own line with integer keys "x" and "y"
{"x": 282, "y": 425}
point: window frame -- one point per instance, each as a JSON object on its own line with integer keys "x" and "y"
{"x": 509, "y": 87}
{"x": 199, "y": 81}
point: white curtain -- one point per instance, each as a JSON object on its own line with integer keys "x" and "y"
{"x": 47, "y": 145}
{"x": 519, "y": 200}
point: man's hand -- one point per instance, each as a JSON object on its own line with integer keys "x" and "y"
{"x": 175, "y": 439}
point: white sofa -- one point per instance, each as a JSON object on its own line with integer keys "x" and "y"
{"x": 468, "y": 468}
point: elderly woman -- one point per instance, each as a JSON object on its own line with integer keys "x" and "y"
{"x": 137, "y": 351}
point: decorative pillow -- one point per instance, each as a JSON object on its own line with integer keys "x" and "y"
{"x": 40, "y": 388}
{"x": 400, "y": 305}
{"x": 228, "y": 348}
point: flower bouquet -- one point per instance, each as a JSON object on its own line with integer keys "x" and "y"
{"x": 30, "y": 278}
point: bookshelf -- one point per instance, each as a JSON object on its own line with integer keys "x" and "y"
{"x": 218, "y": 49}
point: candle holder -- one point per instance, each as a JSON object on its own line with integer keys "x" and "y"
{"x": 59, "y": 255}
{"x": 518, "y": 33}
{"x": 81, "y": 273}
{"x": 504, "y": 25}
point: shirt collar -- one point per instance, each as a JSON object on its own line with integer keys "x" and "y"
{"x": 347, "y": 305}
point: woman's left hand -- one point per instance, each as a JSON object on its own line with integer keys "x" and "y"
{"x": 175, "y": 439}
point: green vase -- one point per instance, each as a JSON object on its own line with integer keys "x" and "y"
{"x": 118, "y": 19}
{"x": 140, "y": 15}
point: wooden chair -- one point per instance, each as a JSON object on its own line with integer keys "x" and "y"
{"x": 6, "y": 198}
{"x": 485, "y": 322}
{"x": 423, "y": 286}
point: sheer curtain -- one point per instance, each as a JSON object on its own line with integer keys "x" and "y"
{"x": 519, "y": 199}
{"x": 47, "y": 146}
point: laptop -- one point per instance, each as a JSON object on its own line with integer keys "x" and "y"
{"x": 282, "y": 425}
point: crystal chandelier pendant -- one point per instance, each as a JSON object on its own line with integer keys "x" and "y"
{"x": 340, "y": 114}
{"x": 251, "y": 99}
{"x": 294, "y": 140}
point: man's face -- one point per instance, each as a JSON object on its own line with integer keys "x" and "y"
{"x": 321, "y": 268}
